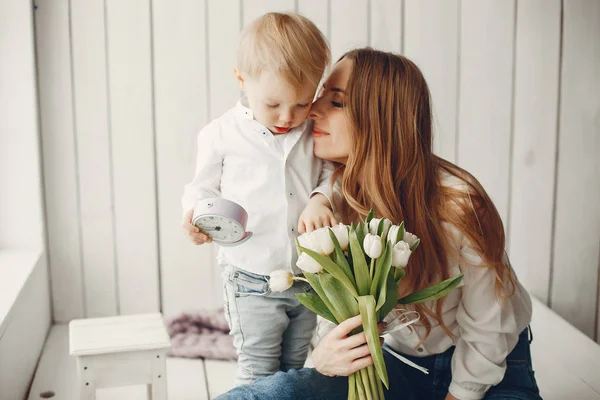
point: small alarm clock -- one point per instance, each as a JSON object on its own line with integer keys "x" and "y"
{"x": 223, "y": 220}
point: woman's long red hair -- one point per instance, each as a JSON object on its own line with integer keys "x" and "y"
{"x": 391, "y": 168}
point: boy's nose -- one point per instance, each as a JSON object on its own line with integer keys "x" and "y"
{"x": 286, "y": 117}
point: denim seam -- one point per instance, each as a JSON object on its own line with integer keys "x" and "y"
{"x": 237, "y": 308}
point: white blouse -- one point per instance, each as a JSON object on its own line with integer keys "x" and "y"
{"x": 486, "y": 331}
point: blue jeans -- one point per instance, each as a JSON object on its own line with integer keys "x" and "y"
{"x": 405, "y": 382}
{"x": 271, "y": 330}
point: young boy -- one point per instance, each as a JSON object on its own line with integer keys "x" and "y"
{"x": 260, "y": 155}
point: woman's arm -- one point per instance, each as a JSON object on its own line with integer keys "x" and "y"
{"x": 489, "y": 329}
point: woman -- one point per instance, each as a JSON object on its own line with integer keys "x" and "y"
{"x": 373, "y": 118}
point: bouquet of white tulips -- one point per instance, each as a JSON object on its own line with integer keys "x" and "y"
{"x": 356, "y": 270}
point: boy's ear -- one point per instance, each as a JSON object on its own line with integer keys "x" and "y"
{"x": 239, "y": 77}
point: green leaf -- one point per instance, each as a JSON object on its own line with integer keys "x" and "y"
{"x": 316, "y": 305}
{"x": 361, "y": 270}
{"x": 366, "y": 304}
{"x": 360, "y": 234}
{"x": 382, "y": 270}
{"x": 433, "y": 292}
{"x": 344, "y": 303}
{"x": 340, "y": 258}
{"x": 399, "y": 273}
{"x": 370, "y": 216}
{"x": 315, "y": 283}
{"x": 298, "y": 248}
{"x": 380, "y": 227}
{"x": 331, "y": 267}
{"x": 390, "y": 300}
{"x": 414, "y": 246}
{"x": 400, "y": 233}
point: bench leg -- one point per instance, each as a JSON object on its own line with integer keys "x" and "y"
{"x": 85, "y": 383}
{"x": 159, "y": 378}
{"x": 86, "y": 392}
{"x": 159, "y": 389}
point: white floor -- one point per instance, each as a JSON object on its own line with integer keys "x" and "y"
{"x": 567, "y": 365}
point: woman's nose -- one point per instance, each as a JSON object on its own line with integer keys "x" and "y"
{"x": 315, "y": 109}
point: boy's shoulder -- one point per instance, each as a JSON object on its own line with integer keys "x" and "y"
{"x": 224, "y": 120}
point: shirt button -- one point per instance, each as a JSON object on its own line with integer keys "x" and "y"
{"x": 291, "y": 194}
{"x": 292, "y": 229}
{"x": 420, "y": 349}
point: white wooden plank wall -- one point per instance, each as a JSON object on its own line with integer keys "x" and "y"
{"x": 537, "y": 65}
{"x": 59, "y": 154}
{"x": 125, "y": 87}
{"x": 94, "y": 166}
{"x": 20, "y": 192}
{"x": 575, "y": 262}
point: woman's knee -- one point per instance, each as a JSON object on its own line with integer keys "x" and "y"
{"x": 303, "y": 384}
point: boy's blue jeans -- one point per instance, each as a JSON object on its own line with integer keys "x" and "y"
{"x": 271, "y": 331}
{"x": 405, "y": 382}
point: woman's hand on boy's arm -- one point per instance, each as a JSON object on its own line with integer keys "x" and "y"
{"x": 317, "y": 214}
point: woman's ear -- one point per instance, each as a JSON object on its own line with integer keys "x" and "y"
{"x": 239, "y": 77}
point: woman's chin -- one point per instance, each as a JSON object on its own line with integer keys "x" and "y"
{"x": 321, "y": 153}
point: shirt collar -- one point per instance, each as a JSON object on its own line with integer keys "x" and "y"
{"x": 242, "y": 110}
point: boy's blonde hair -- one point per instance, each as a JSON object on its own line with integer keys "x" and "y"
{"x": 286, "y": 44}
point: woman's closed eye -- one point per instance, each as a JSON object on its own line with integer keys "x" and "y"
{"x": 272, "y": 105}
{"x": 337, "y": 104}
{"x": 302, "y": 105}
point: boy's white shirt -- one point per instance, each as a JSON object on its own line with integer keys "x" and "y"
{"x": 272, "y": 178}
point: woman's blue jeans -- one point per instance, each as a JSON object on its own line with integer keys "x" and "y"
{"x": 405, "y": 382}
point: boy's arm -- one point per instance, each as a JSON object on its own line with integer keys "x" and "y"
{"x": 324, "y": 182}
{"x": 318, "y": 212}
{"x": 209, "y": 168}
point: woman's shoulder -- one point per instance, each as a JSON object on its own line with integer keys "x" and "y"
{"x": 448, "y": 180}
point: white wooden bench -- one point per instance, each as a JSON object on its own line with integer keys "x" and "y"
{"x": 566, "y": 362}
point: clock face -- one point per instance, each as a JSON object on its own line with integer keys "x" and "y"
{"x": 220, "y": 228}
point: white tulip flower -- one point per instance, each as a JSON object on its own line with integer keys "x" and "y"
{"x": 400, "y": 254}
{"x": 307, "y": 241}
{"x": 318, "y": 241}
{"x": 372, "y": 245}
{"x": 393, "y": 233}
{"x": 323, "y": 241}
{"x": 374, "y": 224}
{"x": 341, "y": 233}
{"x": 280, "y": 280}
{"x": 410, "y": 238}
{"x": 308, "y": 264}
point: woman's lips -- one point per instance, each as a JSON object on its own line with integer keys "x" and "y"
{"x": 317, "y": 133}
{"x": 279, "y": 129}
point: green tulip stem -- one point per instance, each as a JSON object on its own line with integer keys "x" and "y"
{"x": 372, "y": 268}
{"x": 299, "y": 278}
